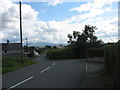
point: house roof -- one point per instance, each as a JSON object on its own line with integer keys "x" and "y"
{"x": 10, "y": 46}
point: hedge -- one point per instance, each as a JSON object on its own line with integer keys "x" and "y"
{"x": 66, "y": 53}
{"x": 112, "y": 62}
{"x": 95, "y": 52}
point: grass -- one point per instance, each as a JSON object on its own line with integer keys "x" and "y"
{"x": 109, "y": 80}
{"x": 12, "y": 63}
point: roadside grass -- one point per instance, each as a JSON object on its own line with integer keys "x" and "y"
{"x": 109, "y": 80}
{"x": 12, "y": 63}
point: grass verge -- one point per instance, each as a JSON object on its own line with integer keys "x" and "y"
{"x": 110, "y": 81}
{"x": 12, "y": 63}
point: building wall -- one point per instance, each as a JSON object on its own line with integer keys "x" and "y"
{"x": 60, "y": 47}
{"x": 11, "y": 52}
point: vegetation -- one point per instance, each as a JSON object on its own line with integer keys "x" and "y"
{"x": 86, "y": 44}
{"x": 83, "y": 41}
{"x": 67, "y": 53}
{"x": 78, "y": 45}
{"x": 48, "y": 47}
{"x": 40, "y": 50}
{"x": 109, "y": 81}
{"x": 29, "y": 51}
{"x": 12, "y": 63}
{"x": 95, "y": 52}
{"x": 112, "y": 64}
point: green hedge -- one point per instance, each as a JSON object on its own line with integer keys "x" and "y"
{"x": 66, "y": 53}
{"x": 112, "y": 62}
{"x": 95, "y": 52}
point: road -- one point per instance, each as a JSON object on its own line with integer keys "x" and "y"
{"x": 55, "y": 74}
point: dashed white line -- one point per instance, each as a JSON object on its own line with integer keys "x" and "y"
{"x": 45, "y": 69}
{"x": 29, "y": 78}
{"x": 53, "y": 63}
{"x": 86, "y": 67}
{"x": 20, "y": 83}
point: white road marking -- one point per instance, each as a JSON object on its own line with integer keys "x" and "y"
{"x": 20, "y": 83}
{"x": 53, "y": 63}
{"x": 45, "y": 69}
{"x": 29, "y": 78}
{"x": 86, "y": 67}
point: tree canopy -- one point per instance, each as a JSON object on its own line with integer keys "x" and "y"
{"x": 84, "y": 40}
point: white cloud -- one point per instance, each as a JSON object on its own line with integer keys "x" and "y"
{"x": 110, "y": 39}
{"x": 83, "y": 7}
{"x": 36, "y": 31}
{"x": 99, "y": 13}
{"x": 55, "y": 2}
{"x": 9, "y": 13}
{"x": 56, "y": 31}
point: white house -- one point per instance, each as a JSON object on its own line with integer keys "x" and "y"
{"x": 10, "y": 48}
{"x": 60, "y": 46}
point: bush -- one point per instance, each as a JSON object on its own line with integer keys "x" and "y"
{"x": 112, "y": 63}
{"x": 40, "y": 50}
{"x": 66, "y": 53}
{"x": 95, "y": 52}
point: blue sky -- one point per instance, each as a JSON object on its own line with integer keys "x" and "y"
{"x": 57, "y": 13}
{"x": 51, "y": 22}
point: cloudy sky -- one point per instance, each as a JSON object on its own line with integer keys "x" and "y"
{"x": 50, "y": 22}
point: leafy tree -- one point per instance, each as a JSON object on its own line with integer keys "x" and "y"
{"x": 76, "y": 34}
{"x": 84, "y": 40}
{"x": 49, "y": 47}
{"x": 73, "y": 39}
{"x": 70, "y": 39}
{"x": 55, "y": 47}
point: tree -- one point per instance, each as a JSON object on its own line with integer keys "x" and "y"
{"x": 84, "y": 40}
{"x": 89, "y": 32}
{"x": 55, "y": 47}
{"x": 70, "y": 38}
{"x": 76, "y": 34}
{"x": 48, "y": 47}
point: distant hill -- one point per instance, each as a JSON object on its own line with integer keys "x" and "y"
{"x": 43, "y": 44}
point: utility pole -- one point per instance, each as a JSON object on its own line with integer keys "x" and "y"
{"x": 21, "y": 33}
{"x": 27, "y": 44}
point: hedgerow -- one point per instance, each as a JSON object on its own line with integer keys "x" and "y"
{"x": 66, "y": 53}
{"x": 112, "y": 63}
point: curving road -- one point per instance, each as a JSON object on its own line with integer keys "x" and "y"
{"x": 54, "y": 74}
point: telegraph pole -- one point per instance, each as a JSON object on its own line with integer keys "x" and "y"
{"x": 21, "y": 33}
{"x": 27, "y": 44}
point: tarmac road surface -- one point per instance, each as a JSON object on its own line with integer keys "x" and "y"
{"x": 55, "y": 74}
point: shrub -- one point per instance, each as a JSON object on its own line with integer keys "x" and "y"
{"x": 66, "y": 53}
{"x": 40, "y": 50}
{"x": 95, "y": 52}
{"x": 112, "y": 63}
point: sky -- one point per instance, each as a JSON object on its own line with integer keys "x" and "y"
{"x": 49, "y": 22}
